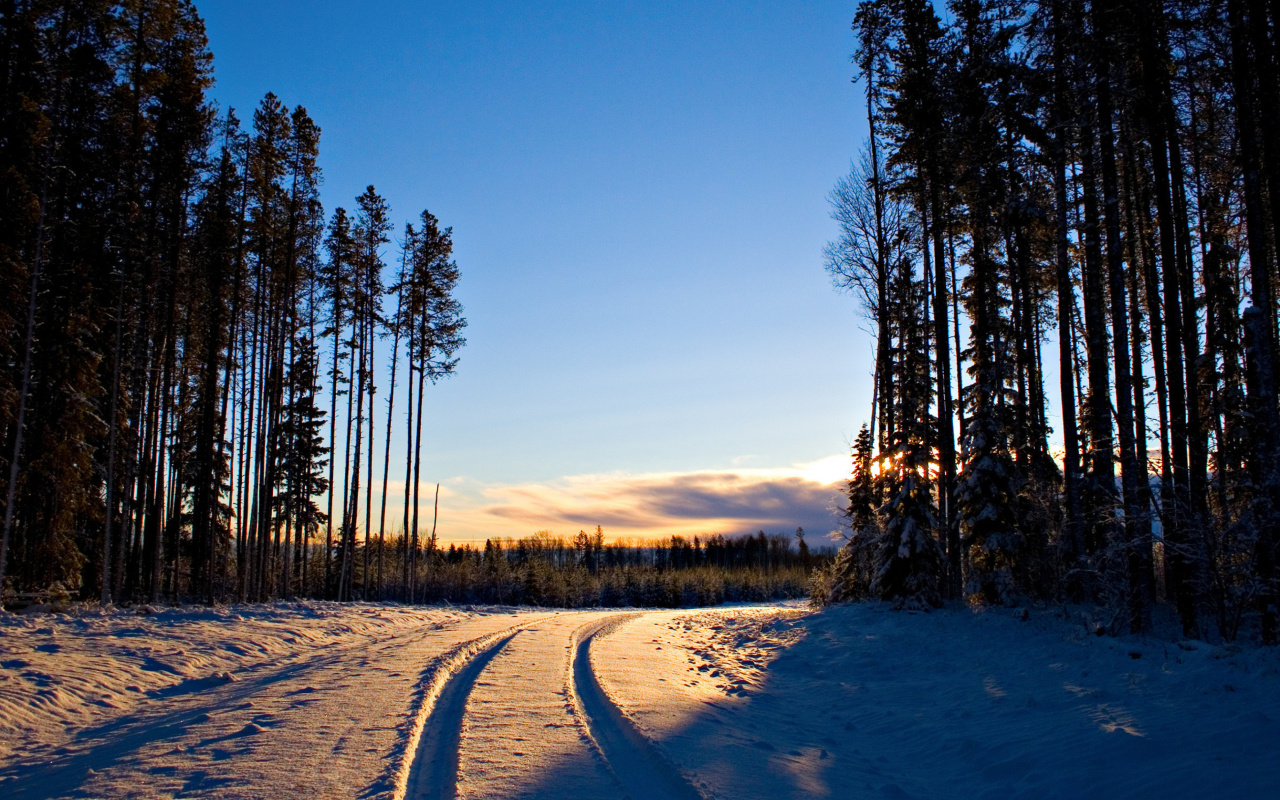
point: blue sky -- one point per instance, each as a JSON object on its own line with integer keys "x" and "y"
{"x": 638, "y": 198}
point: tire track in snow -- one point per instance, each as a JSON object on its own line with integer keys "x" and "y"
{"x": 636, "y": 762}
{"x": 433, "y": 775}
{"x": 429, "y": 767}
{"x": 117, "y": 741}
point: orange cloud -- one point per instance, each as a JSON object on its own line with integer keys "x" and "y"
{"x": 650, "y": 505}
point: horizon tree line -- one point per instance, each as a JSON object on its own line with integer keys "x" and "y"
{"x": 176, "y": 312}
{"x": 587, "y": 571}
{"x": 1099, "y": 176}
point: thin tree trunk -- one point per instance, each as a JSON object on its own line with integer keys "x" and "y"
{"x": 955, "y": 318}
{"x": 1066, "y": 305}
{"x": 883, "y": 372}
{"x": 1101, "y": 498}
{"x": 406, "y": 593}
{"x": 335, "y": 378}
{"x": 1135, "y": 272}
{"x": 108, "y": 524}
{"x": 391, "y": 407}
{"x": 946, "y": 431}
{"x": 346, "y": 533}
{"x": 435, "y": 516}
{"x": 354, "y": 510}
{"x": 368, "y": 489}
{"x": 1177, "y": 505}
{"x": 1260, "y": 323}
{"x": 417, "y": 473}
{"x": 24, "y": 392}
{"x": 1137, "y": 531}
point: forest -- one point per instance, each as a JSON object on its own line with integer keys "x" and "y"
{"x": 185, "y": 336}
{"x": 586, "y": 571}
{"x": 1066, "y": 212}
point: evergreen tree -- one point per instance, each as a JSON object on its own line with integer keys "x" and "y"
{"x": 908, "y": 556}
{"x": 435, "y": 322}
{"x": 302, "y": 451}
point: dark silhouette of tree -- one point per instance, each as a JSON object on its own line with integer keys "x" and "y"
{"x": 1101, "y": 175}
{"x": 434, "y": 319}
{"x": 165, "y": 308}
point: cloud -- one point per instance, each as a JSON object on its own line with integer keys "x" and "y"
{"x": 652, "y": 505}
{"x": 645, "y": 505}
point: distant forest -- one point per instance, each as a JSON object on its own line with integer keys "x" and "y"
{"x": 189, "y": 346}
{"x": 548, "y": 570}
{"x": 1102, "y": 178}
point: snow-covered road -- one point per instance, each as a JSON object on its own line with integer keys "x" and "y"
{"x": 318, "y": 700}
{"x": 328, "y": 720}
{"x": 522, "y": 713}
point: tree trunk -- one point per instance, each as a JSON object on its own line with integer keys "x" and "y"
{"x": 1102, "y": 480}
{"x": 1137, "y": 530}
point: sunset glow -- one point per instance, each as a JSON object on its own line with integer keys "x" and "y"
{"x": 647, "y": 505}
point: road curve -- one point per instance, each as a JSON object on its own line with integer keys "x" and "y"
{"x": 635, "y": 761}
{"x": 434, "y": 771}
{"x": 429, "y": 767}
{"x": 520, "y": 712}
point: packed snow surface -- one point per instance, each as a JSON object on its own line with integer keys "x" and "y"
{"x": 755, "y": 701}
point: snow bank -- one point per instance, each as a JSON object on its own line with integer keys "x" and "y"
{"x": 863, "y": 701}
{"x": 60, "y": 673}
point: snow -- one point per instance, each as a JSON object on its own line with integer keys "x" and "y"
{"x": 321, "y": 701}
{"x": 519, "y": 737}
{"x": 861, "y": 700}
{"x": 750, "y": 701}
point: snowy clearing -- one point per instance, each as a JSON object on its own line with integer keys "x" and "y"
{"x": 753, "y": 701}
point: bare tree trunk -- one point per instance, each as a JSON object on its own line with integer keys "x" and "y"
{"x": 348, "y": 580}
{"x": 371, "y": 324}
{"x": 333, "y": 423}
{"x": 435, "y": 516}
{"x": 1137, "y": 530}
{"x": 405, "y": 586}
{"x": 1260, "y": 372}
{"x": 345, "y": 532}
{"x": 24, "y": 392}
{"x": 1102, "y": 480}
{"x": 946, "y": 431}
{"x": 884, "y": 376}
{"x": 1176, "y": 506}
{"x": 108, "y": 525}
{"x": 955, "y": 319}
{"x": 1259, "y": 326}
{"x": 417, "y": 474}
{"x": 1066, "y": 301}
{"x": 391, "y": 407}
